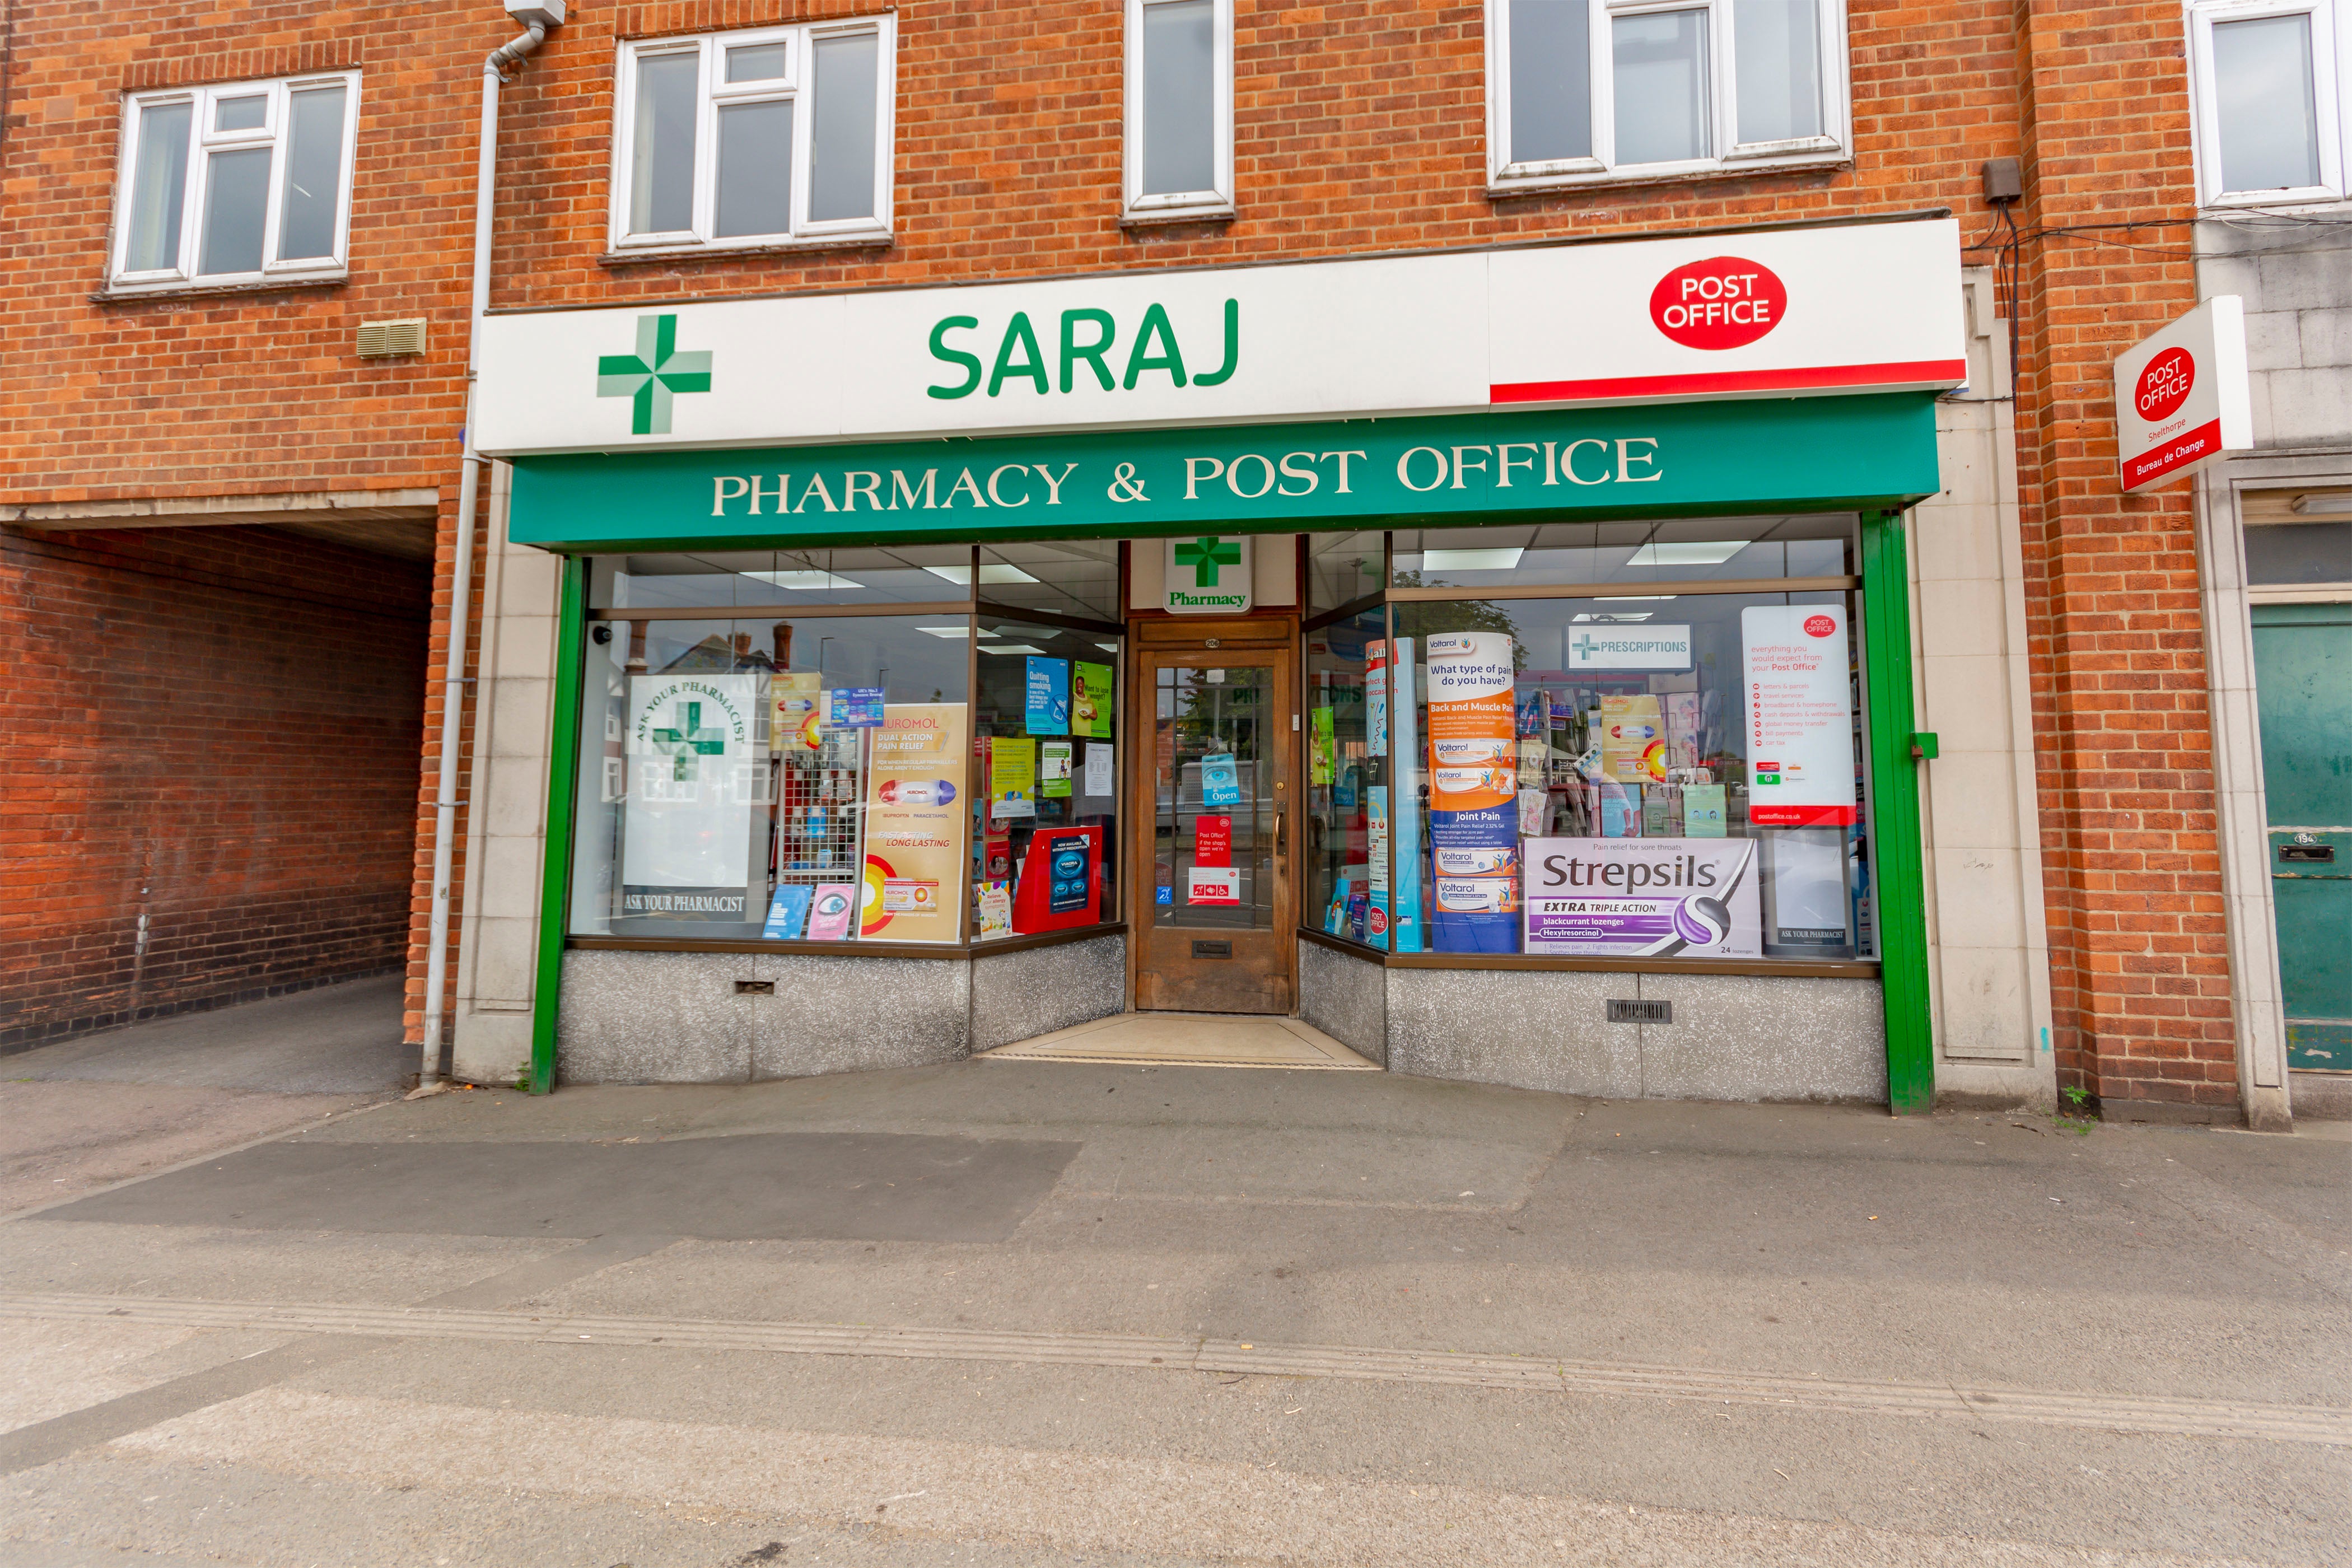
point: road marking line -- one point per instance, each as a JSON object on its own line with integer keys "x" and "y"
{"x": 2323, "y": 1425}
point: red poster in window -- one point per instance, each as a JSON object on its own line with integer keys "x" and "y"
{"x": 1212, "y": 841}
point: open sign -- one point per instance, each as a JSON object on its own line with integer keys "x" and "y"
{"x": 1722, "y": 302}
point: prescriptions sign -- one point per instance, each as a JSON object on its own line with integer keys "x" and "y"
{"x": 2181, "y": 400}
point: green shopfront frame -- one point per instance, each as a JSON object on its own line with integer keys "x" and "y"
{"x": 1873, "y": 454}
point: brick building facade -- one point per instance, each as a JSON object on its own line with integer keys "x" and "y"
{"x": 1355, "y": 130}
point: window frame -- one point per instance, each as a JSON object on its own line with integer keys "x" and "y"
{"x": 2331, "y": 64}
{"x": 1218, "y": 202}
{"x": 1833, "y": 146}
{"x": 795, "y": 87}
{"x": 196, "y": 175}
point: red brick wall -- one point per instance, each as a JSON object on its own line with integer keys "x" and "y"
{"x": 2139, "y": 958}
{"x": 217, "y": 728}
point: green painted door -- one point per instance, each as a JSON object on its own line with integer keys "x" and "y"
{"x": 2303, "y": 679}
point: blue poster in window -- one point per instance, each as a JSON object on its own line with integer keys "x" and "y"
{"x": 854, "y": 707}
{"x": 789, "y": 912}
{"x": 1072, "y": 868}
{"x": 1220, "y": 780}
{"x": 1047, "y": 708}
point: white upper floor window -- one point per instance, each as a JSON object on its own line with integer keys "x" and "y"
{"x": 754, "y": 137}
{"x": 2270, "y": 83}
{"x": 1180, "y": 108}
{"x": 1583, "y": 90}
{"x": 245, "y": 181}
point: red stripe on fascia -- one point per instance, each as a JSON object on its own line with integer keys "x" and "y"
{"x": 1906, "y": 372}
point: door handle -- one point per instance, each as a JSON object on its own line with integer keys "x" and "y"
{"x": 1281, "y": 833}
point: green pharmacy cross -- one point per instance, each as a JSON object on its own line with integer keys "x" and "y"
{"x": 1205, "y": 555}
{"x": 1583, "y": 645}
{"x": 689, "y": 742}
{"x": 649, "y": 376}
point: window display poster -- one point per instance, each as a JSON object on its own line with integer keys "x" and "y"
{"x": 1404, "y": 828}
{"x": 1059, "y": 885}
{"x": 1212, "y": 841}
{"x": 854, "y": 707}
{"x": 830, "y": 910}
{"x": 916, "y": 826}
{"x": 1800, "y": 721}
{"x": 1642, "y": 898}
{"x": 1376, "y": 695}
{"x": 1101, "y": 770}
{"x": 1091, "y": 698}
{"x": 1473, "y": 829}
{"x": 1220, "y": 780}
{"x": 788, "y": 911}
{"x": 795, "y": 701}
{"x": 1012, "y": 777}
{"x": 1335, "y": 914}
{"x": 686, "y": 851}
{"x": 1046, "y": 707}
{"x": 995, "y": 909}
{"x": 1632, "y": 739}
{"x": 1321, "y": 747}
{"x": 1702, "y": 811}
{"x": 1053, "y": 769}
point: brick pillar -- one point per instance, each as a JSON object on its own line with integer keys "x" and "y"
{"x": 2138, "y": 951}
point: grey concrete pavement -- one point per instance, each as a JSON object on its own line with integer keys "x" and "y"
{"x": 1787, "y": 1253}
{"x": 85, "y": 1113}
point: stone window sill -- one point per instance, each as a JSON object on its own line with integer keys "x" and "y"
{"x": 676, "y": 253}
{"x": 174, "y": 291}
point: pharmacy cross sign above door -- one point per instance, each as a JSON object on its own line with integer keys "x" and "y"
{"x": 649, "y": 376}
{"x": 1209, "y": 573}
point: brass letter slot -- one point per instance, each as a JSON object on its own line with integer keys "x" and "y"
{"x": 755, "y": 988}
{"x": 2321, "y": 854}
{"x": 1212, "y": 949}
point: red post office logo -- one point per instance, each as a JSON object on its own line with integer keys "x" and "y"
{"x": 2163, "y": 385}
{"x": 1722, "y": 302}
{"x": 1818, "y": 625}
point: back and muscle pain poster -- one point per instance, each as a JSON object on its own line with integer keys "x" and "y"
{"x": 1474, "y": 827}
{"x": 694, "y": 777}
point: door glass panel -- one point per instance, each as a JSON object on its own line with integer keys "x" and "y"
{"x": 1212, "y": 826}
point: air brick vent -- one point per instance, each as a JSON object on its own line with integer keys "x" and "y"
{"x": 386, "y": 339}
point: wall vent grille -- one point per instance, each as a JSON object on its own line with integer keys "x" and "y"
{"x": 386, "y": 339}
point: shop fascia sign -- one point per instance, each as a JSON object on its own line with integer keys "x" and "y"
{"x": 1860, "y": 308}
{"x": 1186, "y": 484}
{"x": 2181, "y": 396}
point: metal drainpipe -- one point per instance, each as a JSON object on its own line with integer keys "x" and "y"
{"x": 461, "y": 569}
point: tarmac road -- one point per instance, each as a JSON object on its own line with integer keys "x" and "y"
{"x": 1033, "y": 1313}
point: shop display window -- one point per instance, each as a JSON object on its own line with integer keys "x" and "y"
{"x": 880, "y": 574}
{"x": 1060, "y": 576}
{"x": 1676, "y": 550}
{"x": 1044, "y": 813}
{"x": 773, "y": 778}
{"x": 1346, "y": 849}
{"x": 1342, "y": 568}
{"x": 1680, "y": 777}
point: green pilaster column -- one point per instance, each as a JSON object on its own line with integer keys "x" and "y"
{"x": 1900, "y": 897}
{"x": 562, "y": 770}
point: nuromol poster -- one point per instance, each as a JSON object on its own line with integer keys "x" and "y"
{"x": 915, "y": 823}
{"x": 1474, "y": 837}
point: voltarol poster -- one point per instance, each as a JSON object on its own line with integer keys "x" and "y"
{"x": 915, "y": 823}
{"x": 1642, "y": 898}
{"x": 686, "y": 849}
{"x": 1801, "y": 765}
{"x": 1402, "y": 901}
{"x": 1474, "y": 831}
